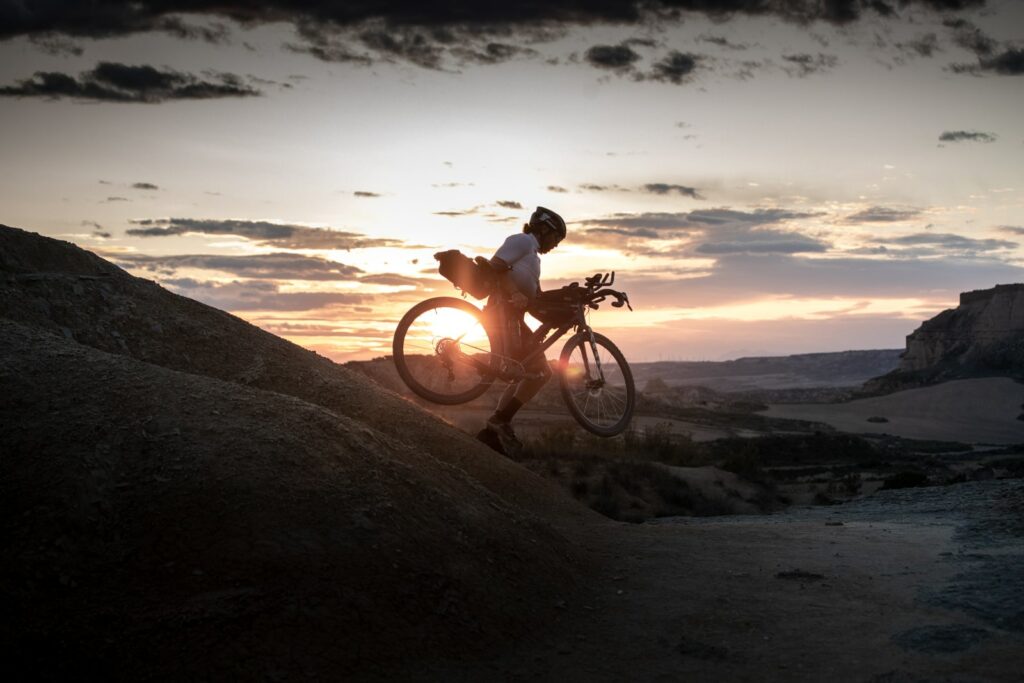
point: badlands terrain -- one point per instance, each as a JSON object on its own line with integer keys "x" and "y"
{"x": 185, "y": 496}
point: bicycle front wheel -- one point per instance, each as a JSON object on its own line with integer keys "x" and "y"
{"x": 443, "y": 352}
{"x": 597, "y": 384}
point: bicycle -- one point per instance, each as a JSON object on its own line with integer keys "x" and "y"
{"x": 449, "y": 351}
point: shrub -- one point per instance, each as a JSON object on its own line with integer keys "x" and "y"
{"x": 905, "y": 480}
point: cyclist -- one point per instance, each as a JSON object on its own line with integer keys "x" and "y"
{"x": 518, "y": 263}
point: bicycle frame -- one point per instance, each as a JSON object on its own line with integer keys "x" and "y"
{"x": 542, "y": 339}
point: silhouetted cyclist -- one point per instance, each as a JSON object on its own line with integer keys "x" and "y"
{"x": 518, "y": 263}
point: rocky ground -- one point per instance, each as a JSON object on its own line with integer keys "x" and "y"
{"x": 187, "y": 497}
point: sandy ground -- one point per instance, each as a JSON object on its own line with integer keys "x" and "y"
{"x": 892, "y": 588}
{"x": 529, "y": 422}
{"x": 970, "y": 410}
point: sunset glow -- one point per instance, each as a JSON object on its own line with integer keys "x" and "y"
{"x": 761, "y": 182}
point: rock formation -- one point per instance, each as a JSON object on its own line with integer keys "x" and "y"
{"x": 983, "y": 336}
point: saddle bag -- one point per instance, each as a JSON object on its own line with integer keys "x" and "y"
{"x": 473, "y": 276}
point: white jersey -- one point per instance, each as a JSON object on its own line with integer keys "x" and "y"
{"x": 521, "y": 252}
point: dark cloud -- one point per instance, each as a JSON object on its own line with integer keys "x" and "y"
{"x": 250, "y": 295}
{"x": 113, "y": 82}
{"x": 282, "y": 266}
{"x": 802, "y": 65}
{"x": 116, "y": 199}
{"x": 1012, "y": 229}
{"x": 262, "y": 232}
{"x": 993, "y": 57}
{"x": 764, "y": 242}
{"x": 733, "y": 277}
{"x": 56, "y": 45}
{"x": 694, "y": 220}
{"x": 594, "y": 187}
{"x": 491, "y": 53}
{"x": 145, "y": 186}
{"x": 364, "y": 193}
{"x": 881, "y": 214}
{"x": 1007, "y": 63}
{"x": 105, "y": 18}
{"x": 556, "y": 188}
{"x": 721, "y": 42}
{"x": 676, "y": 67}
{"x": 950, "y": 241}
{"x": 612, "y": 57}
{"x": 665, "y": 188}
{"x": 455, "y": 214}
{"x": 967, "y": 136}
{"x": 713, "y": 232}
{"x": 923, "y": 46}
{"x": 509, "y": 204}
{"x": 392, "y": 280}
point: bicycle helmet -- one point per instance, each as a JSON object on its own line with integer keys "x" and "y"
{"x": 548, "y": 219}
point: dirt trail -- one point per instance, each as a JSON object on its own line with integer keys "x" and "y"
{"x": 893, "y": 593}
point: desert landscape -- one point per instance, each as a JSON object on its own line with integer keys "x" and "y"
{"x": 176, "y": 509}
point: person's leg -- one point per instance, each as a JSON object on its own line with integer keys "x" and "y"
{"x": 518, "y": 395}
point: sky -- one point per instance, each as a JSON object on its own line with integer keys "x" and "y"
{"x": 766, "y": 177}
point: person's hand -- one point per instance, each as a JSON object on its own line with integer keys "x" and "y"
{"x": 518, "y": 301}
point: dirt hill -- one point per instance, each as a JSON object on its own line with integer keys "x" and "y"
{"x": 183, "y": 493}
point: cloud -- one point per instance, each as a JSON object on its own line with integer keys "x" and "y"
{"x": 925, "y": 45}
{"x": 116, "y": 199}
{"x": 56, "y": 45}
{"x": 734, "y": 277}
{"x": 1007, "y": 63}
{"x": 281, "y": 266}
{"x": 695, "y": 220}
{"x": 711, "y": 232}
{"x": 764, "y": 242}
{"x": 114, "y": 82}
{"x": 394, "y": 280}
{"x": 612, "y": 57}
{"x": 492, "y": 53}
{"x": 802, "y": 65}
{"x": 250, "y": 295}
{"x": 992, "y": 57}
{"x": 951, "y": 241}
{"x": 557, "y": 188}
{"x": 145, "y": 186}
{"x": 967, "y": 136}
{"x": 721, "y": 42}
{"x": 509, "y": 204}
{"x": 280, "y": 235}
{"x": 881, "y": 214}
{"x": 665, "y": 188}
{"x": 677, "y": 67}
{"x": 364, "y": 193}
{"x": 106, "y": 18}
{"x": 457, "y": 213}
{"x": 1011, "y": 229}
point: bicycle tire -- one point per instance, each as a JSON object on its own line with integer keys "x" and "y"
{"x": 412, "y": 371}
{"x": 624, "y": 387}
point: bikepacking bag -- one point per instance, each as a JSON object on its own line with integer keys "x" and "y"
{"x": 556, "y": 306}
{"x": 472, "y": 277}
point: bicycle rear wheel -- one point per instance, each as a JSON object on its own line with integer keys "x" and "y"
{"x": 597, "y": 384}
{"x": 443, "y": 352}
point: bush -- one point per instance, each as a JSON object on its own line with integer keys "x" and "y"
{"x": 905, "y": 480}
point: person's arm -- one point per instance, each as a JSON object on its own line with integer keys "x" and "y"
{"x": 507, "y": 285}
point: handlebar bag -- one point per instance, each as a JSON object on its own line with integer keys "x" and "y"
{"x": 556, "y": 306}
{"x": 471, "y": 276}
